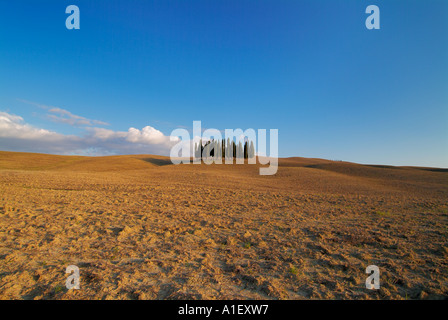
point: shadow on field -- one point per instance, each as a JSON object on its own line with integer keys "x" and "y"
{"x": 158, "y": 162}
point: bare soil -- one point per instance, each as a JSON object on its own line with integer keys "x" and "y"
{"x": 139, "y": 227}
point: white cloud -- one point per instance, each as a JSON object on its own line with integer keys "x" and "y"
{"x": 146, "y": 135}
{"x": 13, "y": 126}
{"x": 65, "y": 116}
{"x": 60, "y": 115}
{"x": 17, "y": 135}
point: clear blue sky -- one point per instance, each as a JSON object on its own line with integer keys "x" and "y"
{"x": 311, "y": 69}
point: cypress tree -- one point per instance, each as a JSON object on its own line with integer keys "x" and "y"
{"x": 240, "y": 150}
{"x": 202, "y": 148}
{"x": 234, "y": 149}
{"x": 251, "y": 150}
{"x": 218, "y": 151}
{"x": 223, "y": 148}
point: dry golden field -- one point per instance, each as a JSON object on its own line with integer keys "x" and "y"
{"x": 139, "y": 227}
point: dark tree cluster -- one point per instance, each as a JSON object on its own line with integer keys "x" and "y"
{"x": 224, "y": 149}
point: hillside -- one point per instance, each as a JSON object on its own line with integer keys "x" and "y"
{"x": 139, "y": 227}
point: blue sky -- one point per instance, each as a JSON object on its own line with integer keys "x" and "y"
{"x": 310, "y": 69}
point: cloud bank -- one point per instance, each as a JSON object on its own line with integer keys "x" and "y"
{"x": 17, "y": 135}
